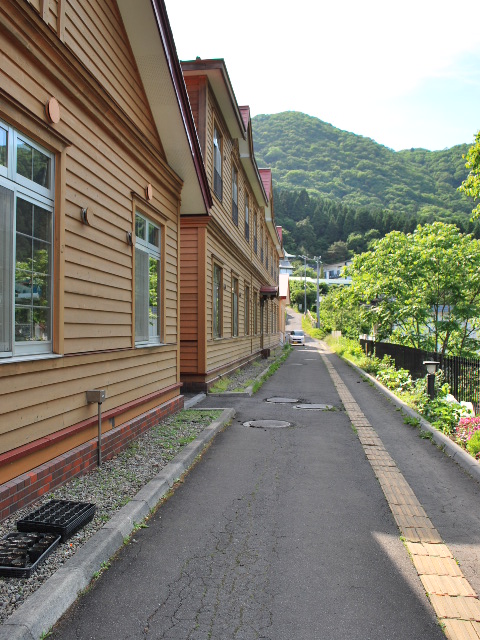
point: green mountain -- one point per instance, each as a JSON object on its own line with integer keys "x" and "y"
{"x": 332, "y": 183}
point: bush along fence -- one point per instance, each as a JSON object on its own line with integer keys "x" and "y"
{"x": 461, "y": 374}
{"x": 443, "y": 411}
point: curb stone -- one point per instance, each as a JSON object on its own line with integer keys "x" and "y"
{"x": 461, "y": 457}
{"x": 46, "y": 606}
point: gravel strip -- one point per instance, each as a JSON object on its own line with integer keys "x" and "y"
{"x": 110, "y": 487}
{"x": 241, "y": 378}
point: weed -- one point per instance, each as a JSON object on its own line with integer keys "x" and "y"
{"x": 220, "y": 386}
{"x": 425, "y": 435}
{"x": 413, "y": 422}
{"x": 354, "y": 428}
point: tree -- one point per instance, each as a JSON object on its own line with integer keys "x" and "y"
{"x": 338, "y": 251}
{"x": 422, "y": 289}
{"x": 471, "y": 186}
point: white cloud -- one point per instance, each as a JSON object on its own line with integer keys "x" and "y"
{"x": 343, "y": 61}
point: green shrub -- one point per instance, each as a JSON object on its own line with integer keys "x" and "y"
{"x": 473, "y": 445}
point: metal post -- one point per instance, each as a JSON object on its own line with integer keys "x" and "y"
{"x": 99, "y": 434}
{"x": 98, "y": 396}
{"x": 318, "y": 258}
{"x": 431, "y": 385}
{"x": 305, "y": 286}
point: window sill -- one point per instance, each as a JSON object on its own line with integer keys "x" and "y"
{"x": 30, "y": 358}
{"x": 151, "y": 345}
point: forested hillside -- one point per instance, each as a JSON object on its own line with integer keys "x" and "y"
{"x": 330, "y": 184}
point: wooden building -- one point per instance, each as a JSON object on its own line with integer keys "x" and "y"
{"x": 98, "y": 158}
{"x": 230, "y": 257}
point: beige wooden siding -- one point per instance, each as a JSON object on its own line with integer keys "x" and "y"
{"x": 52, "y": 20}
{"x": 51, "y": 395}
{"x": 101, "y": 169}
{"x": 94, "y": 32}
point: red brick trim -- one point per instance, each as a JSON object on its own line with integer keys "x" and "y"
{"x": 58, "y": 436}
{"x": 28, "y": 487}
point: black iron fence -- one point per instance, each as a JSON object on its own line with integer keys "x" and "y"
{"x": 462, "y": 374}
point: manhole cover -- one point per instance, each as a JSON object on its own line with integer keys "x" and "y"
{"x": 283, "y": 400}
{"x": 267, "y": 424}
{"x": 314, "y": 407}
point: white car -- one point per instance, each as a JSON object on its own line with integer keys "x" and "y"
{"x": 297, "y": 337}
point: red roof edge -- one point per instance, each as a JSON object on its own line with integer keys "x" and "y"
{"x": 166, "y": 35}
{"x": 245, "y": 111}
{"x": 266, "y": 176}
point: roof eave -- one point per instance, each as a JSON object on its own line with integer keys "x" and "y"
{"x": 151, "y": 40}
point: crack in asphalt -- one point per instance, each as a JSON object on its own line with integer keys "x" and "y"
{"x": 225, "y": 592}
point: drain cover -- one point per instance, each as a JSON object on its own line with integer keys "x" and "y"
{"x": 314, "y": 407}
{"x": 283, "y": 400}
{"x": 267, "y": 424}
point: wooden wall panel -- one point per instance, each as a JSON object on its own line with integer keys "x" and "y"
{"x": 37, "y": 403}
{"x": 100, "y": 167}
{"x": 94, "y": 32}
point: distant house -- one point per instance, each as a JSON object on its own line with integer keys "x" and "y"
{"x": 334, "y": 271}
{"x": 285, "y": 265}
{"x": 230, "y": 256}
{"x": 98, "y": 158}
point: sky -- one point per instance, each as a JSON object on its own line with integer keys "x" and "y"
{"x": 406, "y": 74}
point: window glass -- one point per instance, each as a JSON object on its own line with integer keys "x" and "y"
{"x": 3, "y": 146}
{"x": 217, "y": 163}
{"x": 153, "y": 235}
{"x": 26, "y": 253}
{"x": 140, "y": 227}
{"x": 33, "y": 164}
{"x": 32, "y": 272}
{"x": 234, "y": 307}
{"x": 148, "y": 303}
{"x": 217, "y": 301}
{"x": 6, "y": 260}
{"x": 235, "y": 195}
{"x": 247, "y": 311}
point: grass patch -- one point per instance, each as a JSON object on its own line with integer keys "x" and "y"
{"x": 272, "y": 368}
{"x": 220, "y": 386}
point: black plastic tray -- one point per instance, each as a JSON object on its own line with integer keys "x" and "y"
{"x": 62, "y": 517}
{"x": 30, "y": 566}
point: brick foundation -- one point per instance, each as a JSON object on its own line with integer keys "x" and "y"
{"x": 28, "y": 487}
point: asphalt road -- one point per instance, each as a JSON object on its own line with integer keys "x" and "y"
{"x": 284, "y": 533}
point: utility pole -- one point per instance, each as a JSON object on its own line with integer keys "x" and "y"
{"x": 318, "y": 260}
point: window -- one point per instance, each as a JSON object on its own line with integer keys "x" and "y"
{"x": 234, "y": 307}
{"x": 26, "y": 245}
{"x": 266, "y": 255}
{"x": 255, "y": 316}
{"x": 247, "y": 218}
{"x": 261, "y": 243}
{"x": 247, "y": 311}
{"x": 235, "y": 195}
{"x": 217, "y": 301}
{"x": 255, "y": 232}
{"x": 147, "y": 281}
{"x": 217, "y": 163}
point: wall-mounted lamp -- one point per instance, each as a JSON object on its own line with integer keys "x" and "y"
{"x": 148, "y": 192}
{"x": 129, "y": 239}
{"x": 86, "y": 217}
{"x": 432, "y": 366}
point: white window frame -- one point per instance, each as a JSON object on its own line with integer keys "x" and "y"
{"x": 154, "y": 252}
{"x": 36, "y": 194}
